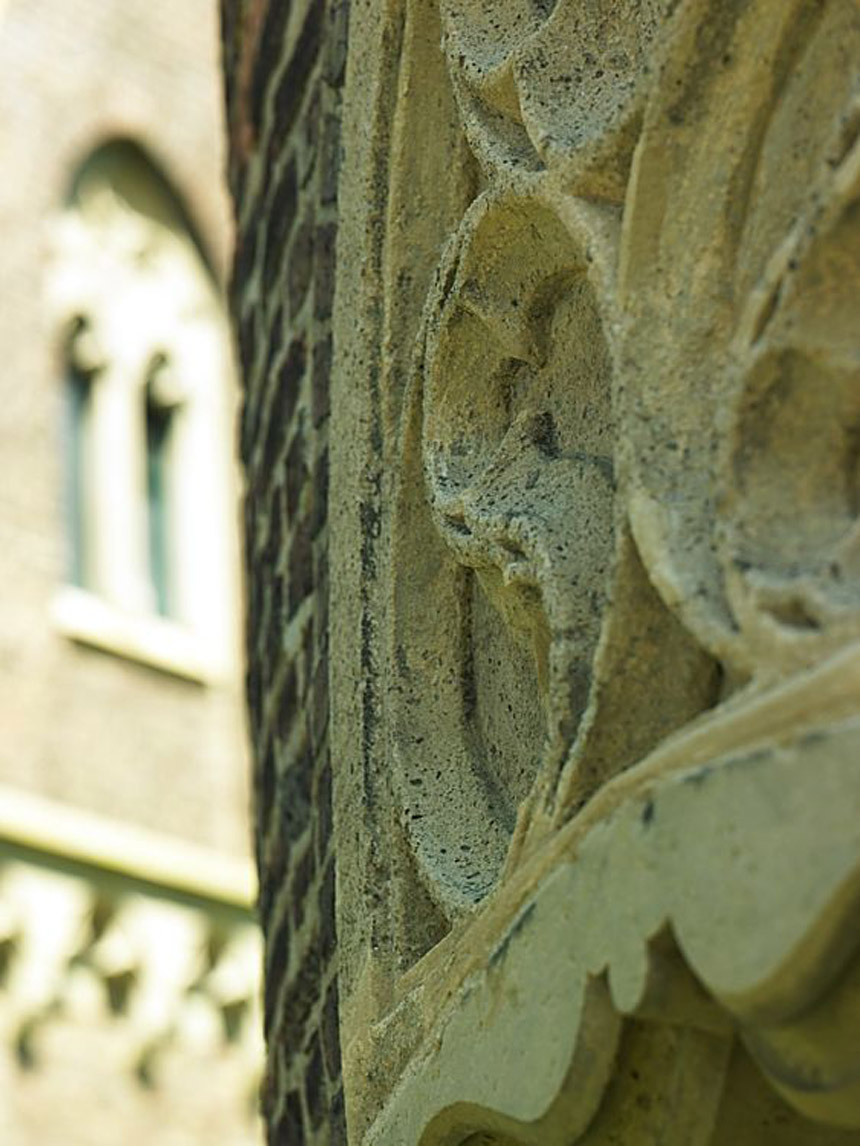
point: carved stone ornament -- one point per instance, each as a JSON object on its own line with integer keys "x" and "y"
{"x": 622, "y": 598}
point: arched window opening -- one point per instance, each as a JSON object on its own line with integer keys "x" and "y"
{"x": 148, "y": 401}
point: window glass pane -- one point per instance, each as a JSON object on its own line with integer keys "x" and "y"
{"x": 78, "y": 400}
{"x": 158, "y": 420}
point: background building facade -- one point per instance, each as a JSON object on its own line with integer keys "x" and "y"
{"x": 130, "y": 960}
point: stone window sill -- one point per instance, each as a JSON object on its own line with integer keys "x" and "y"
{"x": 153, "y": 641}
{"x": 80, "y": 840}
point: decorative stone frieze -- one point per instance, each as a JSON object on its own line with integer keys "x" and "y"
{"x": 136, "y": 955}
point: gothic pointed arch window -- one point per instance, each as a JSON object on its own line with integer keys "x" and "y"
{"x": 148, "y": 396}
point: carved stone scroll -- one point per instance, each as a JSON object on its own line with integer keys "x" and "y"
{"x": 516, "y": 440}
{"x": 615, "y": 592}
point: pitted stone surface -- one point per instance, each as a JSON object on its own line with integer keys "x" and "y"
{"x": 591, "y": 632}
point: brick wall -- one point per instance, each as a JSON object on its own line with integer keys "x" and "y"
{"x": 284, "y": 65}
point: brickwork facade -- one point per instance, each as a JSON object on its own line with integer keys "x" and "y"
{"x": 285, "y": 68}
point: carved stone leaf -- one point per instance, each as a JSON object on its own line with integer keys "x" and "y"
{"x": 517, "y": 475}
{"x": 556, "y": 84}
{"x": 666, "y": 872}
{"x": 739, "y": 385}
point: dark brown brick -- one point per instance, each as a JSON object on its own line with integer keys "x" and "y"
{"x": 330, "y": 159}
{"x": 303, "y": 873}
{"x": 270, "y": 48}
{"x": 254, "y": 696}
{"x": 330, "y": 1030}
{"x": 244, "y": 262}
{"x": 274, "y": 530}
{"x": 273, "y": 870}
{"x": 307, "y": 134}
{"x": 237, "y": 176}
{"x": 247, "y": 343}
{"x": 297, "y": 473}
{"x": 326, "y": 903}
{"x": 287, "y": 707}
{"x": 275, "y": 345}
{"x": 337, "y": 1121}
{"x": 319, "y": 512}
{"x": 277, "y": 622}
{"x": 277, "y": 150}
{"x": 283, "y": 404}
{"x": 324, "y": 255}
{"x": 289, "y": 1129}
{"x": 249, "y": 510}
{"x": 309, "y": 655}
{"x": 266, "y": 788}
{"x": 336, "y": 42}
{"x": 301, "y": 564}
{"x": 294, "y": 795}
{"x": 303, "y": 993}
{"x": 300, "y": 264}
{"x": 268, "y": 1093}
{"x": 294, "y": 82}
{"x": 280, "y": 215}
{"x": 319, "y": 703}
{"x": 278, "y": 938}
{"x": 315, "y": 1084}
{"x": 321, "y": 592}
{"x": 323, "y": 808}
{"x": 248, "y": 428}
{"x": 230, "y": 51}
{"x": 254, "y": 593}
{"x": 320, "y": 380}
{"x": 253, "y": 689}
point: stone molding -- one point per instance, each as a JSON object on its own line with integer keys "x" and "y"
{"x": 115, "y": 927}
{"x": 594, "y": 592}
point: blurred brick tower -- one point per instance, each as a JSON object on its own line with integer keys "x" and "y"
{"x": 128, "y": 948}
